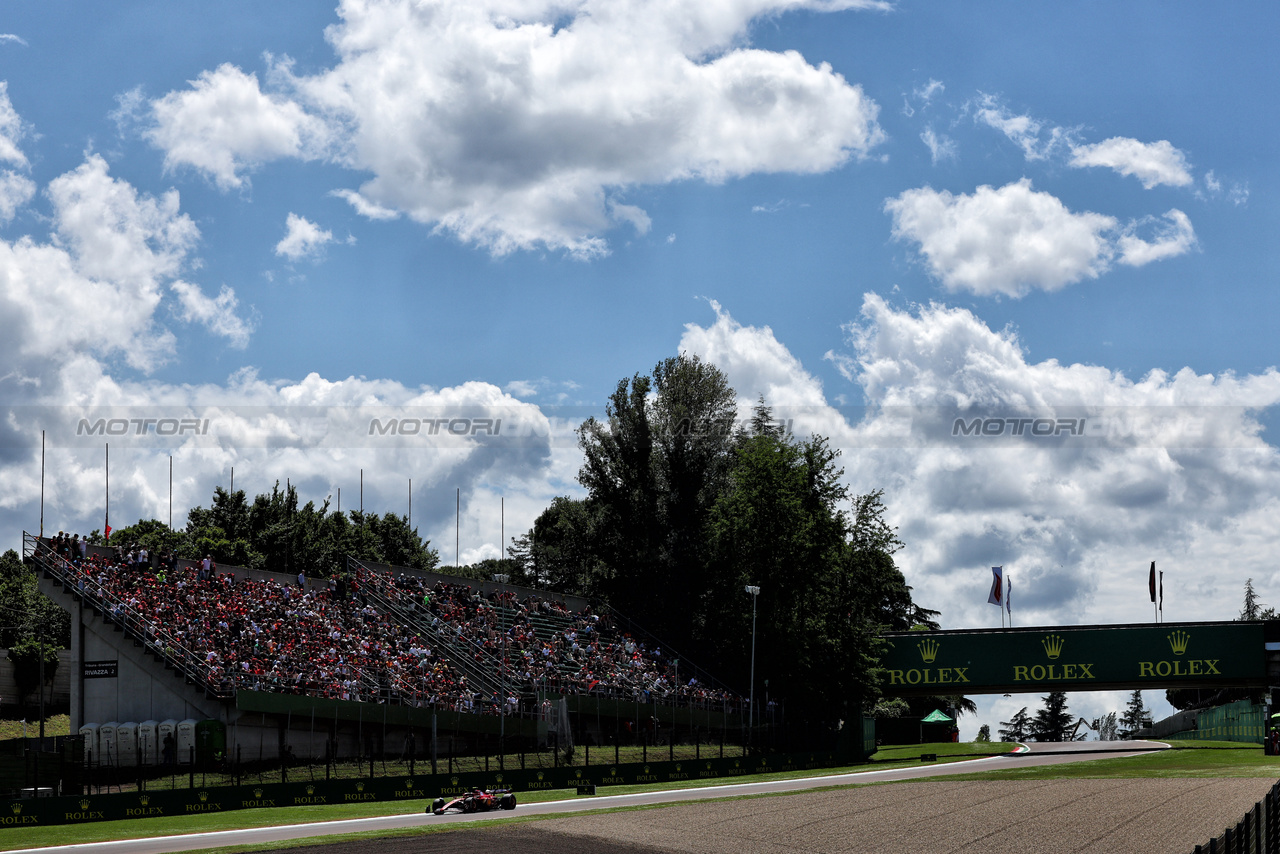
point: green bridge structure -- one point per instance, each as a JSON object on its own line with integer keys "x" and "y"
{"x": 1239, "y": 654}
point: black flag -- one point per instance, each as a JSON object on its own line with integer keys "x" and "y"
{"x": 1151, "y": 581}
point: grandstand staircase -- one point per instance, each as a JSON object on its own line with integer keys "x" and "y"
{"x": 466, "y": 658}
{"x": 159, "y": 656}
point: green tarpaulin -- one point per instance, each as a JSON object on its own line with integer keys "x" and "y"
{"x": 936, "y": 717}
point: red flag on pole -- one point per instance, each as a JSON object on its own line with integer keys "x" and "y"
{"x": 1151, "y": 581}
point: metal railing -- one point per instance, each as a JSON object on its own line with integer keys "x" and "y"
{"x": 149, "y": 634}
{"x": 1257, "y": 833}
{"x": 460, "y": 654}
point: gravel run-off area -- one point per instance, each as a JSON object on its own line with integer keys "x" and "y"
{"x": 1165, "y": 816}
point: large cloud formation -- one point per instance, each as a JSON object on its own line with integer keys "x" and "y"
{"x": 517, "y": 125}
{"x": 1170, "y": 468}
{"x": 89, "y": 313}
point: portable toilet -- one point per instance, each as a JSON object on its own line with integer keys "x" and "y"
{"x": 148, "y": 747}
{"x": 107, "y": 752}
{"x": 127, "y": 743}
{"x": 168, "y": 729}
{"x": 186, "y": 736}
{"x": 89, "y": 732}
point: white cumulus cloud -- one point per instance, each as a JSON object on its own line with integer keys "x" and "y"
{"x": 302, "y": 238}
{"x": 12, "y": 129}
{"x": 515, "y": 125}
{"x": 1152, "y": 163}
{"x": 15, "y": 191}
{"x": 217, "y": 314}
{"x": 1008, "y": 240}
{"x": 1002, "y": 241}
{"x": 224, "y": 125}
{"x": 1173, "y": 235}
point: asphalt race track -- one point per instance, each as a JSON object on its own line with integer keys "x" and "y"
{"x": 1099, "y": 815}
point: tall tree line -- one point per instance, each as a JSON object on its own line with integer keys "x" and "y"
{"x": 273, "y": 532}
{"x": 685, "y": 509}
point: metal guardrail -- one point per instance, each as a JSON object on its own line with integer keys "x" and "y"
{"x": 1257, "y": 833}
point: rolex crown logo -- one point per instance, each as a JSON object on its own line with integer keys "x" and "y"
{"x": 359, "y": 787}
{"x": 204, "y": 796}
{"x": 17, "y": 809}
{"x": 257, "y": 792}
{"x": 498, "y": 778}
{"x": 455, "y": 779}
{"x": 408, "y": 784}
{"x": 677, "y": 766}
{"x": 144, "y": 799}
{"x": 1178, "y": 640}
{"x": 613, "y": 772}
{"x": 1053, "y": 645}
{"x": 84, "y": 804}
{"x": 928, "y": 650}
{"x": 646, "y": 769}
{"x": 311, "y": 790}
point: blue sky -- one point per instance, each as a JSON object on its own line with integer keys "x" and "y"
{"x": 868, "y": 212}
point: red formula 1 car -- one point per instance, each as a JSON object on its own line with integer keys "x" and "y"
{"x": 476, "y": 800}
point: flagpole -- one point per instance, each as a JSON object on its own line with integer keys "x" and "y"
{"x": 1161, "y": 606}
{"x": 106, "y": 473}
{"x": 41, "y": 484}
{"x": 1151, "y": 587}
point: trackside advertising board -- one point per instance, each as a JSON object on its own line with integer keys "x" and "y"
{"x": 1075, "y": 658}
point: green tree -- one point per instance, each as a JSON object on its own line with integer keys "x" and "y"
{"x": 1134, "y": 717}
{"x": 984, "y": 733}
{"x": 26, "y": 614}
{"x": 275, "y": 533}
{"x": 1052, "y": 722}
{"x": 1017, "y": 729}
{"x": 1252, "y": 606}
{"x": 559, "y": 552}
{"x": 778, "y": 525}
{"x": 653, "y": 471}
{"x": 26, "y": 655}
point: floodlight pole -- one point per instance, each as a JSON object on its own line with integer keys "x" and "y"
{"x": 751, "y": 709}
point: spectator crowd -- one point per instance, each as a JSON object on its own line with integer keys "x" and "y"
{"x": 373, "y": 636}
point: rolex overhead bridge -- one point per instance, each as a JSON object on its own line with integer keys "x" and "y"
{"x": 1083, "y": 658}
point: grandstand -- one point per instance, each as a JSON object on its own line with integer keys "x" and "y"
{"x": 248, "y": 665}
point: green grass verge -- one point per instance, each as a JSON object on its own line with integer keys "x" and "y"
{"x": 53, "y": 725}
{"x": 943, "y": 750}
{"x": 1186, "y": 759}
